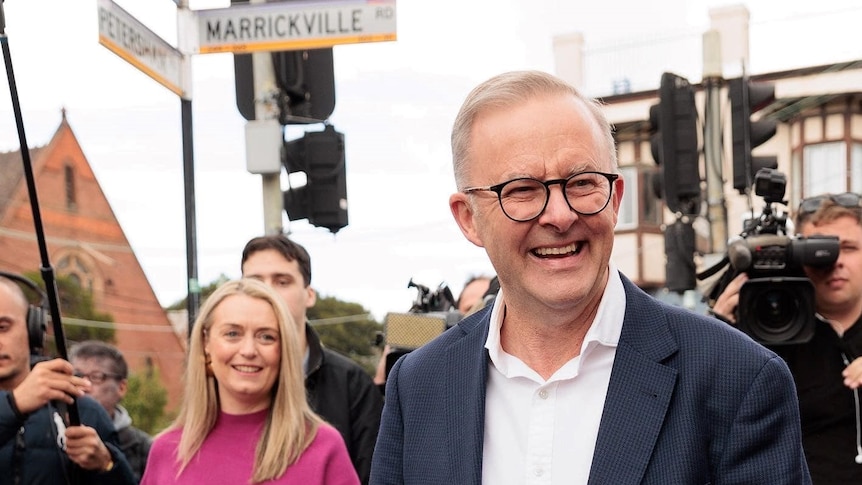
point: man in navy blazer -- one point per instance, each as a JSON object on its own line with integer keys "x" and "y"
{"x": 573, "y": 375}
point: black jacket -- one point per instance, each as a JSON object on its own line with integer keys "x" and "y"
{"x": 343, "y": 394}
{"x": 828, "y": 409}
{"x": 39, "y": 460}
{"x": 135, "y": 444}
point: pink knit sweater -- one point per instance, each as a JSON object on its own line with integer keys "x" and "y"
{"x": 227, "y": 457}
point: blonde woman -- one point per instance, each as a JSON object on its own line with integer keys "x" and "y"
{"x": 245, "y": 418}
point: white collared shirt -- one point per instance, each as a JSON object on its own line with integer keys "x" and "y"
{"x": 544, "y": 432}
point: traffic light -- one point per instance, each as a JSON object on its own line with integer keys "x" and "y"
{"x": 674, "y": 144}
{"x": 306, "y": 83}
{"x": 305, "y": 78}
{"x": 746, "y": 98}
{"x": 323, "y": 200}
{"x": 679, "y": 247}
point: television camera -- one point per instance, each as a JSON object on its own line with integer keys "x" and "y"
{"x": 432, "y": 313}
{"x": 776, "y": 303}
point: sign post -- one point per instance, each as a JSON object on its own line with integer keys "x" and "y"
{"x": 257, "y": 27}
{"x": 125, "y": 36}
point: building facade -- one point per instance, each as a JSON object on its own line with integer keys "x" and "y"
{"x": 818, "y": 145}
{"x": 85, "y": 241}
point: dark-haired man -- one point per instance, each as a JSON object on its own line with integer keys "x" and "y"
{"x": 36, "y": 447}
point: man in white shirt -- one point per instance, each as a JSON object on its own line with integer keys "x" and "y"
{"x": 574, "y": 375}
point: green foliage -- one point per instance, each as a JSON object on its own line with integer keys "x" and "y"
{"x": 145, "y": 400}
{"x": 205, "y": 292}
{"x": 346, "y": 328}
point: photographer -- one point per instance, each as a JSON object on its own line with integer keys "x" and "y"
{"x": 441, "y": 306}
{"x": 827, "y": 369}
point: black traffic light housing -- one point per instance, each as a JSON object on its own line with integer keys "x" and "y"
{"x": 674, "y": 144}
{"x": 323, "y": 200}
{"x": 679, "y": 247}
{"x": 746, "y": 98}
{"x": 306, "y": 82}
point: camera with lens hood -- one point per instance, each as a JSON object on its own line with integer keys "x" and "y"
{"x": 776, "y": 303}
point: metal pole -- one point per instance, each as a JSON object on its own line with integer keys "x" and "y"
{"x": 712, "y": 143}
{"x": 193, "y": 286}
{"x": 266, "y": 108}
{"x": 46, "y": 269}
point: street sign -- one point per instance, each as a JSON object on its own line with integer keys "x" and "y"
{"x": 125, "y": 36}
{"x": 279, "y": 26}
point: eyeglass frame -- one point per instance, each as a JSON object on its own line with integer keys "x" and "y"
{"x": 98, "y": 377}
{"x": 843, "y": 200}
{"x": 498, "y": 189}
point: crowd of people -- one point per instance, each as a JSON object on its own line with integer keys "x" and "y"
{"x": 561, "y": 371}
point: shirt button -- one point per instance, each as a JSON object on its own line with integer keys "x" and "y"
{"x": 543, "y": 394}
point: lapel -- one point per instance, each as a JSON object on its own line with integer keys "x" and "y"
{"x": 467, "y": 370}
{"x": 639, "y": 394}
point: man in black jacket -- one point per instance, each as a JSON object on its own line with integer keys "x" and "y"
{"x": 338, "y": 389}
{"x": 828, "y": 368}
{"x": 36, "y": 447}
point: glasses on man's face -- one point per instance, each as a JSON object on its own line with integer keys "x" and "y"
{"x": 524, "y": 199}
{"x": 97, "y": 377}
{"x": 810, "y": 205}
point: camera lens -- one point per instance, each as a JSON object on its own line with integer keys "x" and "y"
{"x": 775, "y": 311}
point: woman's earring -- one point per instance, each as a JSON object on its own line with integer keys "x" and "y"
{"x": 208, "y": 366}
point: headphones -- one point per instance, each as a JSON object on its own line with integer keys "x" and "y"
{"x": 36, "y": 315}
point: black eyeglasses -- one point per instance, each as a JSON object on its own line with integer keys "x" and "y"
{"x": 810, "y": 205}
{"x": 524, "y": 199}
{"x": 98, "y": 377}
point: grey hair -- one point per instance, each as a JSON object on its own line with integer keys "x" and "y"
{"x": 510, "y": 89}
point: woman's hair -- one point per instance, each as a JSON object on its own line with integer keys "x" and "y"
{"x": 511, "y": 89}
{"x": 290, "y": 426}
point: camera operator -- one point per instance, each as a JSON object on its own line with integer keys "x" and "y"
{"x": 478, "y": 291}
{"x": 827, "y": 369}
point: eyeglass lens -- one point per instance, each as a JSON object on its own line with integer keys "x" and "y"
{"x": 587, "y": 193}
{"x": 96, "y": 377}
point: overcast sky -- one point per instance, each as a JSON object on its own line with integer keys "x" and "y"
{"x": 395, "y": 103}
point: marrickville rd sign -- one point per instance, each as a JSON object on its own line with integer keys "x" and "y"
{"x": 294, "y": 25}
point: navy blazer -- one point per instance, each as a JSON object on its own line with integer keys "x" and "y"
{"x": 691, "y": 400}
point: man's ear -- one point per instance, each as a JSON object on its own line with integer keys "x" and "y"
{"x": 122, "y": 387}
{"x": 464, "y": 214}
{"x": 312, "y": 297}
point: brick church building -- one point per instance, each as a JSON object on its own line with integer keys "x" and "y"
{"x": 85, "y": 241}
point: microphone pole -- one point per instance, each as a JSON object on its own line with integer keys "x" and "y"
{"x": 46, "y": 269}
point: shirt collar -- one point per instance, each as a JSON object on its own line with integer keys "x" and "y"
{"x": 605, "y": 329}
